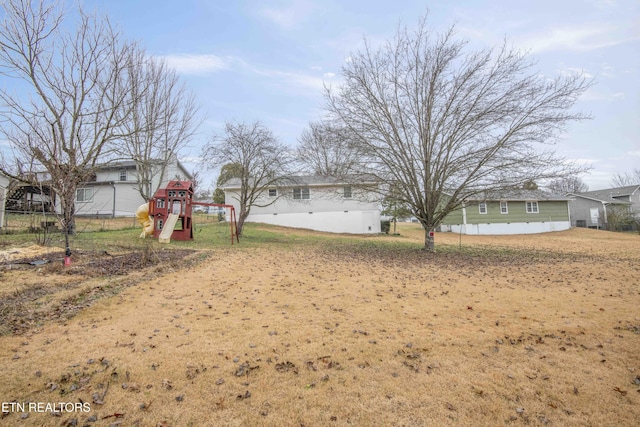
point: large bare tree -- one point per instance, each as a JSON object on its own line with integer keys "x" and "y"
{"x": 325, "y": 149}
{"x": 259, "y": 160}
{"x": 162, "y": 121}
{"x": 72, "y": 96}
{"x": 443, "y": 122}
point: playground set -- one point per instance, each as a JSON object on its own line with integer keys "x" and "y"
{"x": 168, "y": 215}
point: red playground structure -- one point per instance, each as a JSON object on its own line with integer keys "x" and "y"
{"x": 170, "y": 209}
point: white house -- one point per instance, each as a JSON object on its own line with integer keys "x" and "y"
{"x": 315, "y": 202}
{"x": 114, "y": 192}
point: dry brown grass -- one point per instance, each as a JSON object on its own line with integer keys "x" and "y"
{"x": 542, "y": 330}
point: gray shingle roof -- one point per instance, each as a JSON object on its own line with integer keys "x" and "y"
{"x": 609, "y": 194}
{"x": 311, "y": 180}
{"x": 518, "y": 195}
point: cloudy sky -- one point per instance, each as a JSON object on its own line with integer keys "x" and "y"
{"x": 268, "y": 60}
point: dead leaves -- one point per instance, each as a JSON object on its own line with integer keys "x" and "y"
{"x": 193, "y": 371}
{"x": 244, "y": 369}
{"x": 286, "y": 367}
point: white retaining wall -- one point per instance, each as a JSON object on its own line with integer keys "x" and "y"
{"x": 354, "y": 222}
{"x": 508, "y": 228}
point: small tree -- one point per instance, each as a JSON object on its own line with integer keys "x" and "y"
{"x": 445, "y": 125}
{"x": 263, "y": 161}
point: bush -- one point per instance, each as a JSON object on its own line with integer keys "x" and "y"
{"x": 385, "y": 226}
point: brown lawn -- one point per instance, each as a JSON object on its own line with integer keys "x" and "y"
{"x": 516, "y": 330}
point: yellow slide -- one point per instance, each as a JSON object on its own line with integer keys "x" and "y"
{"x": 167, "y": 228}
{"x": 142, "y": 213}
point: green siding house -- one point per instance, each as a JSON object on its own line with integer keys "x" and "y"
{"x": 514, "y": 212}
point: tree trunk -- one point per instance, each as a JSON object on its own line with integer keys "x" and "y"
{"x": 244, "y": 213}
{"x": 429, "y": 240}
{"x": 239, "y": 226}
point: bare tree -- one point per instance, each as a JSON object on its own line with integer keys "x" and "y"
{"x": 326, "y": 149}
{"x": 163, "y": 120}
{"x": 569, "y": 184}
{"x": 74, "y": 96}
{"x": 228, "y": 171}
{"x": 444, "y": 125}
{"x": 627, "y": 178}
{"x": 263, "y": 161}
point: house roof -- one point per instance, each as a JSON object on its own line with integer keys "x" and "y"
{"x": 612, "y": 193}
{"x": 602, "y": 199}
{"x": 131, "y": 164}
{"x": 312, "y": 181}
{"x": 517, "y": 196}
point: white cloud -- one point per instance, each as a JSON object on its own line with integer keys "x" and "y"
{"x": 294, "y": 79}
{"x": 570, "y": 71}
{"x": 580, "y": 39}
{"x": 587, "y": 161}
{"x": 197, "y": 64}
{"x": 300, "y": 80}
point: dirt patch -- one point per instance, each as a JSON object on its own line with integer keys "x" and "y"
{"x": 37, "y": 286}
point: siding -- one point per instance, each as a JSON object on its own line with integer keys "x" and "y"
{"x": 127, "y": 200}
{"x": 326, "y": 210}
{"x": 517, "y": 213}
{"x": 581, "y": 211}
{"x": 321, "y": 199}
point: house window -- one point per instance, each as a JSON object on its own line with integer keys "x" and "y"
{"x": 123, "y": 175}
{"x": 159, "y": 203}
{"x": 482, "y": 208}
{"x": 300, "y": 193}
{"x": 532, "y": 207}
{"x": 273, "y": 192}
{"x": 504, "y": 208}
{"x": 84, "y": 195}
{"x": 347, "y": 191}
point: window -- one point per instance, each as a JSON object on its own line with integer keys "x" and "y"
{"x": 482, "y": 208}
{"x": 84, "y": 195}
{"x": 123, "y": 175}
{"x": 160, "y": 203}
{"x": 273, "y": 192}
{"x": 347, "y": 191}
{"x": 300, "y": 193}
{"x": 532, "y": 207}
{"x": 504, "y": 208}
